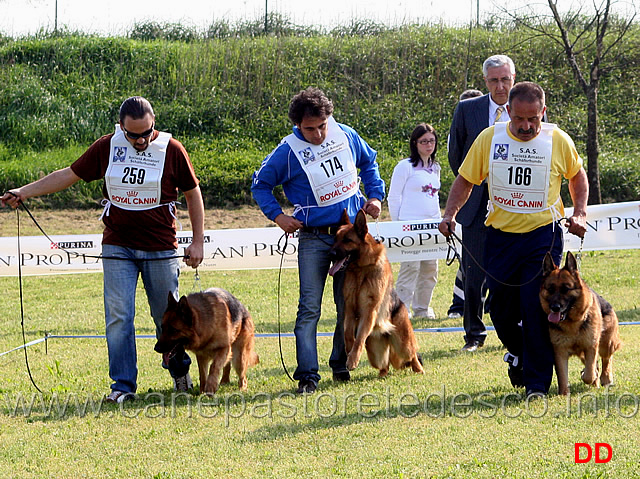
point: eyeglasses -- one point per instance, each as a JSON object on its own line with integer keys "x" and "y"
{"x": 494, "y": 81}
{"x": 137, "y": 136}
{"x": 432, "y": 141}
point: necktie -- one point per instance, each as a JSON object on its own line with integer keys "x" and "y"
{"x": 499, "y": 111}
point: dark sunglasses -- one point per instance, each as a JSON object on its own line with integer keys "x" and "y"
{"x": 137, "y": 136}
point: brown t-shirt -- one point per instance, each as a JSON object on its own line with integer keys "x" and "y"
{"x": 147, "y": 230}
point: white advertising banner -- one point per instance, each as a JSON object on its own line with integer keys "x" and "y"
{"x": 613, "y": 226}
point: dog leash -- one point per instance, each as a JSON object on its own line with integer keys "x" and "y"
{"x": 281, "y": 251}
{"x": 452, "y": 255}
{"x": 24, "y": 336}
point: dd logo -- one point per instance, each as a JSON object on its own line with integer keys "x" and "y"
{"x": 589, "y": 452}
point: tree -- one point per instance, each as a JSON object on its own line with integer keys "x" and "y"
{"x": 598, "y": 34}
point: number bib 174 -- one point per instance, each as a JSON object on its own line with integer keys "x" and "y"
{"x": 330, "y": 166}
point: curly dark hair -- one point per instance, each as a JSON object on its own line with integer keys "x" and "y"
{"x": 310, "y": 102}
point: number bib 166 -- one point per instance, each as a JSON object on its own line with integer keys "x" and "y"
{"x": 330, "y": 166}
{"x": 134, "y": 179}
{"x": 519, "y": 171}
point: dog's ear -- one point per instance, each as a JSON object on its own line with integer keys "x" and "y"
{"x": 171, "y": 302}
{"x": 360, "y": 225}
{"x": 186, "y": 315}
{"x": 344, "y": 219}
{"x": 570, "y": 263}
{"x": 548, "y": 265}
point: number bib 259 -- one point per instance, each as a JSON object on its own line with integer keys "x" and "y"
{"x": 134, "y": 178}
{"x": 330, "y": 166}
{"x": 519, "y": 171}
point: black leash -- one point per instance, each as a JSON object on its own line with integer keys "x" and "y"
{"x": 452, "y": 255}
{"x": 24, "y": 336}
{"x": 281, "y": 251}
{"x": 71, "y": 253}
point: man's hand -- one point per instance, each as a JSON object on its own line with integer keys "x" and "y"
{"x": 11, "y": 198}
{"x": 195, "y": 251}
{"x": 577, "y": 225}
{"x": 447, "y": 226}
{"x": 372, "y": 207}
{"x": 288, "y": 224}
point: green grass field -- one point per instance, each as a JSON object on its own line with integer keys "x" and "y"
{"x": 461, "y": 419}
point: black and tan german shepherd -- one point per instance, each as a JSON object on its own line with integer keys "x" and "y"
{"x": 375, "y": 318}
{"x": 217, "y": 328}
{"x": 581, "y": 323}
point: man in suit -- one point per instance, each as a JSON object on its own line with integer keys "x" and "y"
{"x": 469, "y": 119}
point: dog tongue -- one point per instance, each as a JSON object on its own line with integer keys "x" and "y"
{"x": 165, "y": 358}
{"x": 554, "y": 317}
{"x": 336, "y": 266}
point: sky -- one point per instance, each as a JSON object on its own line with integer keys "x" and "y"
{"x": 20, "y": 17}
{"x": 117, "y": 17}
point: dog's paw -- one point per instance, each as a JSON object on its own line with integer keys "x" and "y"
{"x": 590, "y": 378}
{"x": 352, "y": 362}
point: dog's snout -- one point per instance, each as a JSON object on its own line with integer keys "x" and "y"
{"x": 555, "y": 307}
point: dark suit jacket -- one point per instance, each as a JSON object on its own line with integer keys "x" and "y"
{"x": 469, "y": 119}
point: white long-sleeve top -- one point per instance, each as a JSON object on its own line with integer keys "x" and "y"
{"x": 413, "y": 194}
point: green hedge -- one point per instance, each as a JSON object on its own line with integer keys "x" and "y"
{"x": 226, "y": 97}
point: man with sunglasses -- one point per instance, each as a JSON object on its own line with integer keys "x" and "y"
{"x": 143, "y": 169}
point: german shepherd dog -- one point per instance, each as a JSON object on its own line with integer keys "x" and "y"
{"x": 375, "y": 318}
{"x": 581, "y": 323}
{"x": 217, "y": 328}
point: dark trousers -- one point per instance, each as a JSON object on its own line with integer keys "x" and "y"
{"x": 457, "y": 301}
{"x": 516, "y": 259}
{"x": 473, "y": 240}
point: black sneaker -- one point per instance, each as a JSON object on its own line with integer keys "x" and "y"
{"x": 342, "y": 376}
{"x": 118, "y": 397}
{"x": 515, "y": 370}
{"x": 472, "y": 345}
{"x": 535, "y": 394}
{"x": 306, "y": 387}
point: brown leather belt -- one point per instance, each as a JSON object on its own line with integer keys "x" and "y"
{"x": 325, "y": 230}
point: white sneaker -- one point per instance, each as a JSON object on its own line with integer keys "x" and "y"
{"x": 430, "y": 313}
{"x": 183, "y": 383}
{"x": 454, "y": 316}
{"x": 117, "y": 397}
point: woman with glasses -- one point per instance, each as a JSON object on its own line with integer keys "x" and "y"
{"x": 413, "y": 195}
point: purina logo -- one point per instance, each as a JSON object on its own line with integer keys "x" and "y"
{"x": 119, "y": 153}
{"x": 501, "y": 151}
{"x": 420, "y": 227}
{"x": 72, "y": 245}
{"x": 517, "y": 196}
{"x": 187, "y": 239}
{"x": 132, "y": 194}
{"x": 338, "y": 184}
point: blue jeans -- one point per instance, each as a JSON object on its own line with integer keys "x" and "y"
{"x": 120, "y": 280}
{"x": 313, "y": 268}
